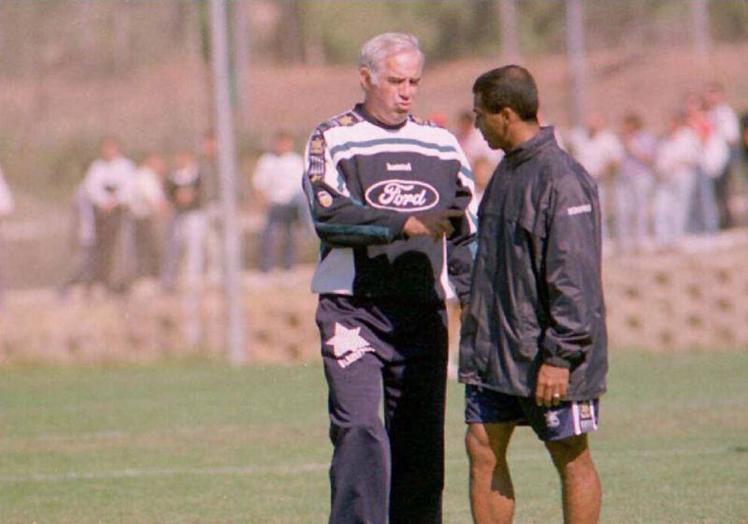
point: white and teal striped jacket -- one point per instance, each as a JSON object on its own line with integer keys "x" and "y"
{"x": 363, "y": 179}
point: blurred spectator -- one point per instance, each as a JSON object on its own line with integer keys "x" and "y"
{"x": 725, "y": 123}
{"x": 83, "y": 242}
{"x": 107, "y": 184}
{"x": 482, "y": 172}
{"x": 703, "y": 216}
{"x": 600, "y": 152}
{"x": 676, "y": 164}
{"x": 7, "y": 205}
{"x": 211, "y": 202}
{"x": 547, "y": 123}
{"x": 744, "y": 142}
{"x": 472, "y": 142}
{"x": 146, "y": 203}
{"x": 438, "y": 119}
{"x": 188, "y": 224}
{"x": 277, "y": 180}
{"x": 635, "y": 184}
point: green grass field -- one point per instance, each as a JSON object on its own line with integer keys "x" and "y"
{"x": 202, "y": 442}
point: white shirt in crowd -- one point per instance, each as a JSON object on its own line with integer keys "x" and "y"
{"x": 7, "y": 205}
{"x": 107, "y": 182}
{"x": 726, "y": 124}
{"x": 278, "y": 177}
{"x": 678, "y": 155}
{"x": 475, "y": 146}
{"x": 596, "y": 153}
{"x": 146, "y": 193}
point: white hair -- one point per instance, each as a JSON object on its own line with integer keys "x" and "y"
{"x": 377, "y": 49}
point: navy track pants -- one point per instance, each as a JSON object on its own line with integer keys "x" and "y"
{"x": 397, "y": 351}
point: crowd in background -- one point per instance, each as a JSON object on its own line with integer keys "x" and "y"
{"x": 654, "y": 190}
{"x": 160, "y": 219}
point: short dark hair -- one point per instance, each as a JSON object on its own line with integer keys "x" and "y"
{"x": 510, "y": 86}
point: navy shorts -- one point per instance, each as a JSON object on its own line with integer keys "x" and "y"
{"x": 485, "y": 406}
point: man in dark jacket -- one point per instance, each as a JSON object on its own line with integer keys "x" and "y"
{"x": 533, "y": 344}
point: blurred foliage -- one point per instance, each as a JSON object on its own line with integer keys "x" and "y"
{"x": 109, "y": 36}
{"x": 111, "y": 39}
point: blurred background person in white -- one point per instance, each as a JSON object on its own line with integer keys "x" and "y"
{"x": 187, "y": 226}
{"x": 726, "y": 125}
{"x": 147, "y": 204}
{"x": 600, "y": 152}
{"x": 635, "y": 185}
{"x": 676, "y": 164}
{"x": 482, "y": 172}
{"x": 277, "y": 181}
{"x": 107, "y": 184}
{"x": 7, "y": 205}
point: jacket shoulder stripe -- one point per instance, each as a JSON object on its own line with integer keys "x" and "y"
{"x": 390, "y": 141}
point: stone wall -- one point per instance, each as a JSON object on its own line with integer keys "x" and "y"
{"x": 693, "y": 298}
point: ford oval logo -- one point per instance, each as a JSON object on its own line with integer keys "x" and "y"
{"x": 402, "y": 195}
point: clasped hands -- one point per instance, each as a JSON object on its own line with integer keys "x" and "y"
{"x": 434, "y": 224}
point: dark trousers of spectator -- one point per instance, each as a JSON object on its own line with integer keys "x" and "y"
{"x": 147, "y": 254}
{"x": 722, "y": 192}
{"x": 279, "y": 227}
{"x": 108, "y": 226}
{"x": 185, "y": 236}
{"x": 703, "y": 218}
{"x": 393, "y": 470}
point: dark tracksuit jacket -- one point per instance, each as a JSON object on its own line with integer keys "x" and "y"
{"x": 536, "y": 292}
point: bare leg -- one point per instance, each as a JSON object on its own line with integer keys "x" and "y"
{"x": 580, "y": 485}
{"x": 491, "y": 490}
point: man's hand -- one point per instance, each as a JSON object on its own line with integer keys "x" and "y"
{"x": 551, "y": 385}
{"x": 434, "y": 224}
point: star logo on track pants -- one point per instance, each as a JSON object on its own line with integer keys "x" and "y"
{"x": 348, "y": 345}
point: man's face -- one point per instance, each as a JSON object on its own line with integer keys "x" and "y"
{"x": 595, "y": 123}
{"x": 183, "y": 160}
{"x": 464, "y": 126}
{"x": 389, "y": 96}
{"x": 109, "y": 150}
{"x": 493, "y": 126}
{"x": 713, "y": 97}
{"x": 209, "y": 147}
{"x": 156, "y": 163}
{"x": 283, "y": 144}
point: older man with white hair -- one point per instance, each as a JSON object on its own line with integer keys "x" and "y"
{"x": 391, "y": 200}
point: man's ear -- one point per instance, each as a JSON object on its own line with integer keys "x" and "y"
{"x": 365, "y": 79}
{"x": 508, "y": 114}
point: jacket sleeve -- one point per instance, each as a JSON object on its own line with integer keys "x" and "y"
{"x": 572, "y": 275}
{"x": 461, "y": 245}
{"x": 339, "y": 219}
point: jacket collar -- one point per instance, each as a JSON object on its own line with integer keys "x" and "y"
{"x": 532, "y": 147}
